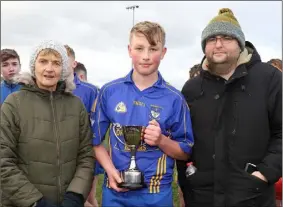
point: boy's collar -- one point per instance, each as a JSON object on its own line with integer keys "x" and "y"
{"x": 76, "y": 79}
{"x": 159, "y": 83}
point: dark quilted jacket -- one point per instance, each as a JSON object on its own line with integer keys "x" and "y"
{"x": 45, "y": 146}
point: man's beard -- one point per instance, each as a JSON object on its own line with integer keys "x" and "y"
{"x": 222, "y": 68}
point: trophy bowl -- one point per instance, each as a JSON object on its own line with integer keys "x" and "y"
{"x": 133, "y": 178}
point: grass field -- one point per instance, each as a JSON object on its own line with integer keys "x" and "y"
{"x": 99, "y": 191}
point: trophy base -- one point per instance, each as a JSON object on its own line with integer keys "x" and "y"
{"x": 132, "y": 179}
{"x": 131, "y": 186}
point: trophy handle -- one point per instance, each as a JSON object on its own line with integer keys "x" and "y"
{"x": 133, "y": 165}
{"x": 114, "y": 131}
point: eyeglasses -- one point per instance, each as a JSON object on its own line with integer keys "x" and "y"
{"x": 224, "y": 40}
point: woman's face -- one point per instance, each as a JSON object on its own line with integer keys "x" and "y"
{"x": 48, "y": 69}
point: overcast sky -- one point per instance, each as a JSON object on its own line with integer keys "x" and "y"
{"x": 99, "y": 31}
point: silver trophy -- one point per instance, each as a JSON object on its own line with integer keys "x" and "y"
{"x": 132, "y": 178}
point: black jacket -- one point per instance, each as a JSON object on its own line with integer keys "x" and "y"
{"x": 235, "y": 122}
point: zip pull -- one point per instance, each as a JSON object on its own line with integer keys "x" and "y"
{"x": 51, "y": 95}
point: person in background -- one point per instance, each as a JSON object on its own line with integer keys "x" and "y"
{"x": 278, "y": 186}
{"x": 276, "y": 63}
{"x": 195, "y": 70}
{"x": 46, "y": 154}
{"x": 87, "y": 92}
{"x": 10, "y": 66}
{"x": 81, "y": 71}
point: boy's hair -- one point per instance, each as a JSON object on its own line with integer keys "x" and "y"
{"x": 7, "y": 54}
{"x": 70, "y": 51}
{"x": 153, "y": 32}
{"x": 195, "y": 70}
{"x": 80, "y": 67}
{"x": 276, "y": 63}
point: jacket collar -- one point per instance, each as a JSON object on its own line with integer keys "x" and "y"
{"x": 60, "y": 89}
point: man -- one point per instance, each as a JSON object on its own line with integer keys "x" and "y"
{"x": 46, "y": 156}
{"x": 81, "y": 71}
{"x": 142, "y": 98}
{"x": 236, "y": 110}
{"x": 87, "y": 93}
{"x": 10, "y": 66}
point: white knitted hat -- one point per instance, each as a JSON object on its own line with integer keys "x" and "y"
{"x": 50, "y": 44}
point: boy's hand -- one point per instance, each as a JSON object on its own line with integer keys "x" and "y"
{"x": 114, "y": 178}
{"x": 152, "y": 133}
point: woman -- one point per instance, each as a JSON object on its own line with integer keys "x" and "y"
{"x": 47, "y": 157}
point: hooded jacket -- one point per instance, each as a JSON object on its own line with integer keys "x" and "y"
{"x": 45, "y": 146}
{"x": 235, "y": 122}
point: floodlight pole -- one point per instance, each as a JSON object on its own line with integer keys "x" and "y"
{"x": 133, "y": 8}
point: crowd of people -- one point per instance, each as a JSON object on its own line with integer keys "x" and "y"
{"x": 226, "y": 121}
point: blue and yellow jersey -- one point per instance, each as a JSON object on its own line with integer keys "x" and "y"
{"x": 121, "y": 103}
{"x": 87, "y": 93}
{"x": 7, "y": 89}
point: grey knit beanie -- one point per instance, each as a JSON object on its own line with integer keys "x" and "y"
{"x": 58, "y": 47}
{"x": 225, "y": 23}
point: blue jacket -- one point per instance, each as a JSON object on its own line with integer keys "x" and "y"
{"x": 120, "y": 103}
{"x": 8, "y": 88}
{"x": 86, "y": 92}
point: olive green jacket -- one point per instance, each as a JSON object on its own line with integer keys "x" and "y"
{"x": 45, "y": 146}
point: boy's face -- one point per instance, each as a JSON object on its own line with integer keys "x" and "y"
{"x": 145, "y": 57}
{"x": 9, "y": 68}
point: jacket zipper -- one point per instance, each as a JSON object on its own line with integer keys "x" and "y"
{"x": 58, "y": 148}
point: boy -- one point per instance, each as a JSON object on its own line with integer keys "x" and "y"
{"x": 10, "y": 66}
{"x": 87, "y": 92}
{"x": 142, "y": 98}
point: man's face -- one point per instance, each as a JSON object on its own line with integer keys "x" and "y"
{"x": 145, "y": 57}
{"x": 9, "y": 68}
{"x": 72, "y": 63}
{"x": 222, "y": 49}
{"x": 48, "y": 69}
